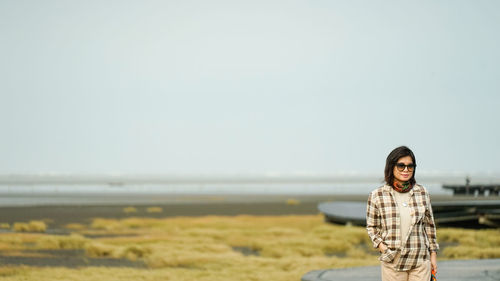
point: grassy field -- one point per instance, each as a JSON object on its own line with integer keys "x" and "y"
{"x": 207, "y": 248}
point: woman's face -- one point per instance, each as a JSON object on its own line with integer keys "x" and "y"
{"x": 406, "y": 173}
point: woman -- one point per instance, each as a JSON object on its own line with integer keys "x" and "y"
{"x": 400, "y": 222}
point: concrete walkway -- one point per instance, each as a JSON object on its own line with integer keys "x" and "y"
{"x": 458, "y": 270}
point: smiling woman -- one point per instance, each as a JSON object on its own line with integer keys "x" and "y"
{"x": 402, "y": 175}
{"x": 400, "y": 221}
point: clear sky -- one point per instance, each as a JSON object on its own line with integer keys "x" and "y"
{"x": 255, "y": 86}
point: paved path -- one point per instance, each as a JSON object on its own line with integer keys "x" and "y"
{"x": 458, "y": 270}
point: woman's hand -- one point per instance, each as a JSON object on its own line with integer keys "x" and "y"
{"x": 434, "y": 261}
{"x": 382, "y": 247}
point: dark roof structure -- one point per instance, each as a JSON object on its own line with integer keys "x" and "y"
{"x": 462, "y": 213}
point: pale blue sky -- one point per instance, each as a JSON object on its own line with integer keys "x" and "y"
{"x": 248, "y": 86}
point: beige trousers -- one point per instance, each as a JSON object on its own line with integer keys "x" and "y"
{"x": 419, "y": 273}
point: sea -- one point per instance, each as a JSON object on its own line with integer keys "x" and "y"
{"x": 45, "y": 195}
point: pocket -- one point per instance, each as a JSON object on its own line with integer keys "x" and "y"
{"x": 388, "y": 256}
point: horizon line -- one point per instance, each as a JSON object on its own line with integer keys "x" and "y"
{"x": 241, "y": 178}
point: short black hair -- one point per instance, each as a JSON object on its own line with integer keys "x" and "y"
{"x": 392, "y": 160}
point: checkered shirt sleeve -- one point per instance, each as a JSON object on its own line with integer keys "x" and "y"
{"x": 430, "y": 226}
{"x": 373, "y": 220}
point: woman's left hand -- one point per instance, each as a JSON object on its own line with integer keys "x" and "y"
{"x": 434, "y": 261}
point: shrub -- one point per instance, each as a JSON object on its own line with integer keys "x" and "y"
{"x": 32, "y": 226}
{"x": 134, "y": 252}
{"x": 129, "y": 210}
{"x": 154, "y": 210}
{"x": 99, "y": 250}
{"x": 73, "y": 241}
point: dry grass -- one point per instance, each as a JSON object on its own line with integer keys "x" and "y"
{"x": 134, "y": 252}
{"x": 100, "y": 250}
{"x": 73, "y": 241}
{"x": 130, "y": 210}
{"x": 154, "y": 210}
{"x": 292, "y": 201}
{"x": 205, "y": 248}
{"x": 208, "y": 242}
{"x": 32, "y": 226}
{"x": 75, "y": 226}
{"x": 6, "y": 271}
{"x": 10, "y": 242}
{"x": 105, "y": 224}
{"x": 470, "y": 244}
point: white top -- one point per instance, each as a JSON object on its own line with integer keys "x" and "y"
{"x": 403, "y": 203}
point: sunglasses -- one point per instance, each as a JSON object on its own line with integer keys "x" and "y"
{"x": 401, "y": 167}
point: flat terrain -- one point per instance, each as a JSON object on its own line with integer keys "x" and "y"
{"x": 82, "y": 208}
{"x": 185, "y": 237}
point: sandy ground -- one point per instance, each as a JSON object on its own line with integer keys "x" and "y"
{"x": 82, "y": 208}
{"x": 178, "y": 205}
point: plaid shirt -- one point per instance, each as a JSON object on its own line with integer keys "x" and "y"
{"x": 383, "y": 225}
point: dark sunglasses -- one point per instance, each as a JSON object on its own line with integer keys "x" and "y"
{"x": 401, "y": 167}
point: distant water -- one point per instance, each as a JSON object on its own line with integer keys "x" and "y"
{"x": 44, "y": 195}
{"x": 233, "y": 188}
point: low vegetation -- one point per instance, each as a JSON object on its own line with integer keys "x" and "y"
{"x": 292, "y": 201}
{"x": 154, "y": 210}
{"x": 130, "y": 210}
{"x": 470, "y": 244}
{"x": 221, "y": 248}
{"x": 32, "y": 226}
{"x": 60, "y": 242}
